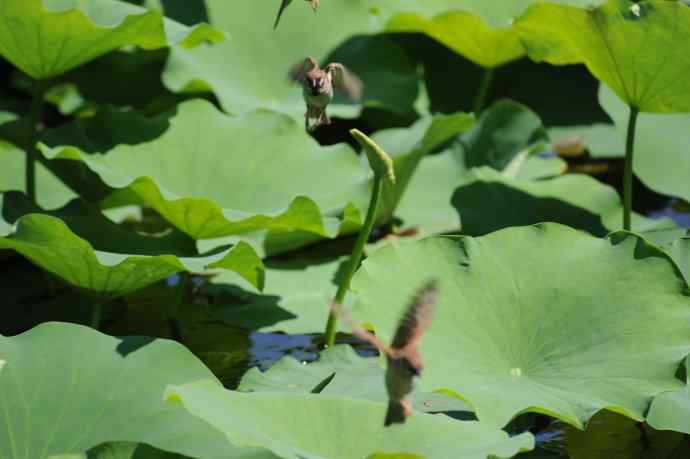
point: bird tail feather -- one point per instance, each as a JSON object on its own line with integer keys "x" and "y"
{"x": 395, "y": 413}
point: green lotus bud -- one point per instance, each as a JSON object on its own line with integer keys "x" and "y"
{"x": 380, "y": 162}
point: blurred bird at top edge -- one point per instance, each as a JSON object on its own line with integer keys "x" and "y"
{"x": 284, "y": 4}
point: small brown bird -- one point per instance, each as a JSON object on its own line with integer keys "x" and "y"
{"x": 403, "y": 357}
{"x": 318, "y": 85}
{"x": 284, "y": 4}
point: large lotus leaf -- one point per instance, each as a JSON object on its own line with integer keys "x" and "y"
{"x": 45, "y": 38}
{"x": 49, "y": 243}
{"x": 640, "y": 49}
{"x": 249, "y": 70}
{"x": 295, "y": 300}
{"x": 211, "y": 175}
{"x": 479, "y": 30}
{"x": 354, "y": 377}
{"x": 542, "y": 318}
{"x": 489, "y": 201}
{"x": 671, "y": 410}
{"x": 662, "y": 145}
{"x": 50, "y": 191}
{"x": 680, "y": 252}
{"x": 322, "y": 426}
{"x": 65, "y": 388}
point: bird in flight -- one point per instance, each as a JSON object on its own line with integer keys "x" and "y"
{"x": 318, "y": 85}
{"x": 403, "y": 357}
{"x": 284, "y": 4}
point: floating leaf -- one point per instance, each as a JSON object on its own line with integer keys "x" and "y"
{"x": 91, "y": 388}
{"x": 45, "y": 38}
{"x": 680, "y": 252}
{"x": 639, "y": 49}
{"x": 211, "y": 175}
{"x": 50, "y": 244}
{"x": 315, "y": 426}
{"x": 508, "y": 299}
{"x": 662, "y": 146}
{"x": 355, "y": 377}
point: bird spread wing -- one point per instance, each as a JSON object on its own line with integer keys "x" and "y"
{"x": 345, "y": 81}
{"x": 360, "y": 332}
{"x": 298, "y": 72}
{"x": 417, "y": 318}
{"x": 284, "y": 4}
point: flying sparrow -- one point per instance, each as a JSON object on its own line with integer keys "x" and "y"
{"x": 284, "y": 4}
{"x": 403, "y": 357}
{"x": 318, "y": 85}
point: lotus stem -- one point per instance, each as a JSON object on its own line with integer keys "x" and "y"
{"x": 31, "y": 139}
{"x": 382, "y": 166}
{"x": 628, "y": 172}
{"x": 483, "y": 93}
{"x": 173, "y": 310}
{"x": 96, "y": 314}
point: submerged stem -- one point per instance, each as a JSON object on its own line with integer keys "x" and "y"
{"x": 356, "y": 256}
{"x": 628, "y": 172}
{"x": 31, "y": 139}
{"x": 483, "y": 92}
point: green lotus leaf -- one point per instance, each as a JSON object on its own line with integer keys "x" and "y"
{"x": 662, "y": 151}
{"x": 355, "y": 377}
{"x": 296, "y": 297}
{"x": 407, "y": 148}
{"x": 127, "y": 450}
{"x": 576, "y": 200}
{"x": 680, "y": 252}
{"x": 671, "y": 410}
{"x": 639, "y": 49}
{"x": 211, "y": 175}
{"x": 90, "y": 388}
{"x": 231, "y": 69}
{"x": 315, "y": 426}
{"x": 49, "y": 243}
{"x": 543, "y": 318}
{"x": 505, "y": 138}
{"x": 45, "y": 38}
{"x": 466, "y": 34}
{"x": 478, "y": 30}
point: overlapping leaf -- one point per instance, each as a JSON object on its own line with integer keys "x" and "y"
{"x": 671, "y": 410}
{"x": 488, "y": 201}
{"x": 323, "y": 426}
{"x": 354, "y": 377}
{"x": 50, "y": 191}
{"x": 49, "y": 243}
{"x": 66, "y": 388}
{"x": 639, "y": 49}
{"x": 211, "y": 175}
{"x": 295, "y": 300}
{"x": 45, "y": 38}
{"x": 248, "y": 70}
{"x": 507, "y": 302}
